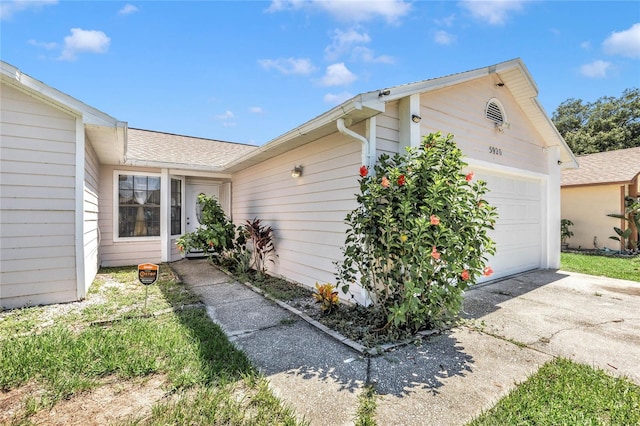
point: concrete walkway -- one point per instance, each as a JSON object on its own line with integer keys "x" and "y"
{"x": 449, "y": 378}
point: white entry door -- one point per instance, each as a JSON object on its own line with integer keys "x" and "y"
{"x": 191, "y": 200}
{"x": 518, "y": 233}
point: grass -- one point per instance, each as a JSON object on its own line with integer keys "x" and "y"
{"x": 65, "y": 353}
{"x": 606, "y": 266}
{"x": 565, "y": 393}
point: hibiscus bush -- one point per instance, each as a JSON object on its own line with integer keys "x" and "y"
{"x": 419, "y": 237}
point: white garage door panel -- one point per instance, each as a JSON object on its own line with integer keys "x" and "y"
{"x": 518, "y": 230}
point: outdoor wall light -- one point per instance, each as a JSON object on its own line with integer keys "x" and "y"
{"x": 296, "y": 172}
{"x": 415, "y": 118}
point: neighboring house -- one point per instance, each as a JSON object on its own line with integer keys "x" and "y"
{"x": 493, "y": 112}
{"x": 597, "y": 189}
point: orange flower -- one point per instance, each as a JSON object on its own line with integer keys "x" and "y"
{"x": 434, "y": 253}
{"x": 364, "y": 171}
{"x": 464, "y": 275}
{"x": 385, "y": 182}
{"x": 469, "y": 176}
{"x": 401, "y": 180}
{"x": 435, "y": 220}
{"x": 487, "y": 271}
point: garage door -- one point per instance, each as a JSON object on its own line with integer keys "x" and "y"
{"x": 518, "y": 232}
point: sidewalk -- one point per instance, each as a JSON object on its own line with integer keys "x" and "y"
{"x": 447, "y": 380}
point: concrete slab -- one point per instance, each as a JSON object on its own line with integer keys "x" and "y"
{"x": 449, "y": 379}
{"x": 592, "y": 320}
{"x": 310, "y": 371}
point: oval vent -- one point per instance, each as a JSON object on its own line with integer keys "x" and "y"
{"x": 494, "y": 112}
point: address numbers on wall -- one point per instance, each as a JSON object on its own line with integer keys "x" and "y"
{"x": 495, "y": 151}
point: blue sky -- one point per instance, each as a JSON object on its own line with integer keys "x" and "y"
{"x": 248, "y": 71}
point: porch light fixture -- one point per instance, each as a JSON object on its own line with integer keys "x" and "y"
{"x": 415, "y": 118}
{"x": 296, "y": 172}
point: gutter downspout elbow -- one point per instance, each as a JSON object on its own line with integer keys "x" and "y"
{"x": 365, "y": 143}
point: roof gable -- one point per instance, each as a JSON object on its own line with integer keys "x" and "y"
{"x": 620, "y": 166}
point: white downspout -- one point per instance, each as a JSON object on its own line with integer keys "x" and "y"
{"x": 365, "y": 143}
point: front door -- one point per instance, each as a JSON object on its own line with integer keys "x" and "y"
{"x": 193, "y": 190}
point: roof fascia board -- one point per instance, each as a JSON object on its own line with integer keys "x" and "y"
{"x": 36, "y": 88}
{"x": 358, "y": 102}
{"x": 177, "y": 166}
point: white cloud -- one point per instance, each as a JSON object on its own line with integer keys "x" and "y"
{"x": 288, "y": 65}
{"x": 337, "y": 75}
{"x": 337, "y": 98}
{"x": 80, "y": 40}
{"x": 586, "y": 45}
{"x": 624, "y": 43}
{"x": 128, "y": 9}
{"x": 365, "y": 54}
{"x": 46, "y": 45}
{"x": 256, "y": 110}
{"x": 494, "y": 12}
{"x": 596, "y": 69}
{"x": 10, "y": 8}
{"x": 446, "y": 21}
{"x": 227, "y": 115}
{"x": 351, "y": 11}
{"x": 343, "y": 41}
{"x": 443, "y": 37}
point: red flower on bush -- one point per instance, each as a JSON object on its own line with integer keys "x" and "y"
{"x": 434, "y": 253}
{"x": 487, "y": 271}
{"x": 401, "y": 180}
{"x": 469, "y": 176}
{"x": 364, "y": 171}
{"x": 465, "y": 275}
{"x": 435, "y": 220}
{"x": 385, "y": 182}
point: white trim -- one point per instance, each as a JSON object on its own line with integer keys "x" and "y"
{"x": 503, "y": 169}
{"x": 165, "y": 215}
{"x": 81, "y": 285}
{"x": 116, "y": 205}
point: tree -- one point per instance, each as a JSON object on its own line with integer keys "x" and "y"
{"x": 604, "y": 125}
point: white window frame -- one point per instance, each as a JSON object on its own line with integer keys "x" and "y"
{"x": 183, "y": 216}
{"x": 116, "y": 206}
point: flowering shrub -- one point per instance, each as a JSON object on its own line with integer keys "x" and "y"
{"x": 419, "y": 236}
{"x": 326, "y": 296}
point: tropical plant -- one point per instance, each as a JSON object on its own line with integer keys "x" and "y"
{"x": 631, "y": 216}
{"x": 327, "y": 297}
{"x": 419, "y": 236}
{"x": 262, "y": 246}
{"x": 565, "y": 232}
{"x": 215, "y": 234}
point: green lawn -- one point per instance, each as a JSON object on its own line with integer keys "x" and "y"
{"x": 69, "y": 350}
{"x": 606, "y": 266}
{"x": 565, "y": 393}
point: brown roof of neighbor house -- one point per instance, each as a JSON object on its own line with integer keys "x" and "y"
{"x": 620, "y": 166}
{"x": 146, "y": 147}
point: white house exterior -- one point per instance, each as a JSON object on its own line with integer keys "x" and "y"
{"x": 50, "y": 148}
{"x": 119, "y": 196}
{"x": 519, "y": 153}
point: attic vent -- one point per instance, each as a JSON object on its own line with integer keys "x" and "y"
{"x": 494, "y": 112}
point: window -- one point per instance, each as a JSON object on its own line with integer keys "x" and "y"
{"x": 176, "y": 206}
{"x": 138, "y": 206}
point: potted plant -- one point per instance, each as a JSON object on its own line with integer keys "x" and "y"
{"x": 565, "y": 232}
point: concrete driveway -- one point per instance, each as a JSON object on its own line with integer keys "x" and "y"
{"x": 593, "y": 320}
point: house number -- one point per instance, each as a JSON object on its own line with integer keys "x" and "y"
{"x": 495, "y": 151}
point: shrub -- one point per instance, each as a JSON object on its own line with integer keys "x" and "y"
{"x": 418, "y": 238}
{"x": 326, "y": 296}
{"x": 215, "y": 234}
{"x": 262, "y": 246}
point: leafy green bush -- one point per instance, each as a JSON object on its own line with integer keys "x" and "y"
{"x": 418, "y": 238}
{"x": 215, "y": 234}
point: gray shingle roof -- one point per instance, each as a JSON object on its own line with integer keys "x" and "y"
{"x": 620, "y": 166}
{"x": 187, "y": 151}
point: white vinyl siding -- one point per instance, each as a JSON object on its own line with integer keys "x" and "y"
{"x": 131, "y": 251}
{"x": 387, "y": 130}
{"x": 306, "y": 213}
{"x": 37, "y": 201}
{"x": 90, "y": 211}
{"x": 460, "y": 110}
